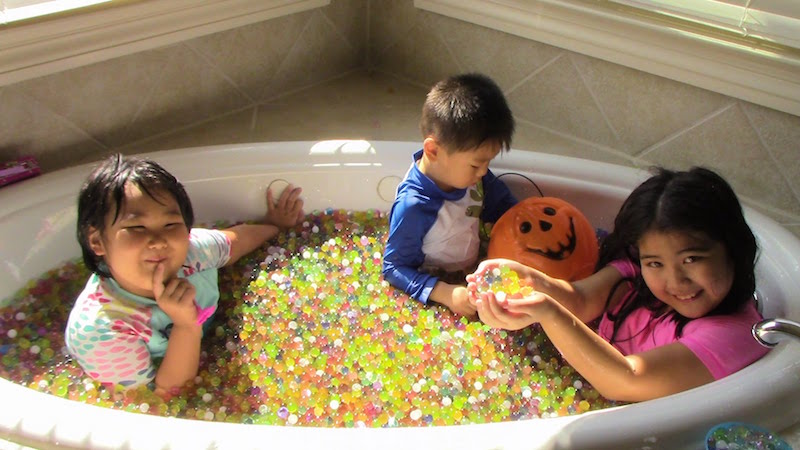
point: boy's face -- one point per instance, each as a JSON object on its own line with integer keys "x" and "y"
{"x": 461, "y": 169}
{"x": 148, "y": 231}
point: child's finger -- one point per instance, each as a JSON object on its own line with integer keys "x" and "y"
{"x": 495, "y": 305}
{"x": 486, "y": 313}
{"x": 270, "y": 199}
{"x": 188, "y": 294}
{"x": 158, "y": 280}
{"x": 293, "y": 202}
{"x": 288, "y": 196}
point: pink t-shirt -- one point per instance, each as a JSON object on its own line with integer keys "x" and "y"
{"x": 723, "y": 343}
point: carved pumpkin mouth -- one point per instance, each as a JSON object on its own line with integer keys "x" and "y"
{"x": 563, "y": 251}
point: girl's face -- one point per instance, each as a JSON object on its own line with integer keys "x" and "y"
{"x": 688, "y": 271}
{"x": 148, "y": 231}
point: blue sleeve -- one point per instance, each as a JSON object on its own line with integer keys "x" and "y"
{"x": 409, "y": 221}
{"x": 497, "y": 198}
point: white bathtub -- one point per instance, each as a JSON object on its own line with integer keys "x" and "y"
{"x": 37, "y": 232}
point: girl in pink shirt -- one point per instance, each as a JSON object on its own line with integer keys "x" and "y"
{"x": 673, "y": 293}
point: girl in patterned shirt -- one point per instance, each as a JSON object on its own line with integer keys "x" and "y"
{"x": 154, "y": 280}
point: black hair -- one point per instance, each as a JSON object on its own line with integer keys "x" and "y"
{"x": 697, "y": 200}
{"x": 464, "y": 111}
{"x": 104, "y": 189}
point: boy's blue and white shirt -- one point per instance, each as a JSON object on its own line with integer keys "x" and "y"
{"x": 433, "y": 229}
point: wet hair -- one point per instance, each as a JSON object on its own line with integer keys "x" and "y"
{"x": 697, "y": 200}
{"x": 464, "y": 111}
{"x": 104, "y": 190}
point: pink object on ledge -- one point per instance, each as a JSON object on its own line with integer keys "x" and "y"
{"x": 19, "y": 169}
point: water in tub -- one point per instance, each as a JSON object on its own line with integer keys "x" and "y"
{"x": 308, "y": 333}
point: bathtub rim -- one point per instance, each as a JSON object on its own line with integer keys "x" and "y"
{"x": 575, "y": 430}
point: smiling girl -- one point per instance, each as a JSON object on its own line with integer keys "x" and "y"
{"x": 672, "y": 295}
{"x": 154, "y": 283}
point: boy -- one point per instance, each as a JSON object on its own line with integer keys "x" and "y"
{"x": 434, "y": 221}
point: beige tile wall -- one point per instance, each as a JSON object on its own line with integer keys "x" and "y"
{"x": 360, "y": 68}
{"x": 571, "y": 104}
{"x": 77, "y": 115}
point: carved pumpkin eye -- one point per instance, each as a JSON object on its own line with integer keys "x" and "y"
{"x": 525, "y": 227}
{"x": 550, "y": 211}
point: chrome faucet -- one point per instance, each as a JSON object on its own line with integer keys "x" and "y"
{"x": 769, "y": 332}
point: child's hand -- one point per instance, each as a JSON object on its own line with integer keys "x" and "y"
{"x": 288, "y": 210}
{"x": 454, "y": 297}
{"x": 461, "y": 303}
{"x": 527, "y": 275}
{"x": 175, "y": 298}
{"x": 495, "y": 313}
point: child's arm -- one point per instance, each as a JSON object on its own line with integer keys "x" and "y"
{"x": 182, "y": 358}
{"x": 284, "y": 213}
{"x": 586, "y": 298}
{"x": 453, "y": 297}
{"x": 655, "y": 373}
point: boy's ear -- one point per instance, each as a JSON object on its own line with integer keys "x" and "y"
{"x": 431, "y": 148}
{"x": 95, "y": 242}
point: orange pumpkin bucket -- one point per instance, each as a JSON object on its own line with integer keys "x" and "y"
{"x": 548, "y": 234}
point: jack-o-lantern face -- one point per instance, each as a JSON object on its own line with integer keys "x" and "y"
{"x": 548, "y": 234}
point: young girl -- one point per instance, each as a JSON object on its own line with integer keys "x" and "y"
{"x": 673, "y": 293}
{"x": 154, "y": 280}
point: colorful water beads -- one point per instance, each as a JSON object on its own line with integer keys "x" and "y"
{"x": 308, "y": 333}
{"x": 737, "y": 435}
{"x": 502, "y": 281}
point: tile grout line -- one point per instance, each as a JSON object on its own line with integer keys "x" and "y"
{"x": 306, "y": 87}
{"x": 337, "y": 31}
{"x": 594, "y": 97}
{"x": 683, "y": 131}
{"x": 771, "y": 154}
{"x": 449, "y": 51}
{"x": 181, "y": 128}
{"x": 283, "y": 62}
{"x": 63, "y": 119}
{"x": 534, "y": 73}
{"x": 215, "y": 67}
{"x": 599, "y": 147}
{"x": 156, "y": 80}
{"x": 367, "y": 36}
{"x": 402, "y": 34}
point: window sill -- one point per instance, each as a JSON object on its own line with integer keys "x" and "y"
{"x": 62, "y": 43}
{"x": 767, "y": 77}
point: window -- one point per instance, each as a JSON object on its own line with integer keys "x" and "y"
{"x": 774, "y": 21}
{"x": 14, "y": 10}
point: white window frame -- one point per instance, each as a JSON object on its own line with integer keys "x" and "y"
{"x": 29, "y": 50}
{"x": 738, "y": 69}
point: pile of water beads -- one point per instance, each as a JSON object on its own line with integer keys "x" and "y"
{"x": 308, "y": 333}
{"x": 743, "y": 436}
{"x": 502, "y": 281}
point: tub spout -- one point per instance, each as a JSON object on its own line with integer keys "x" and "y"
{"x": 769, "y": 332}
